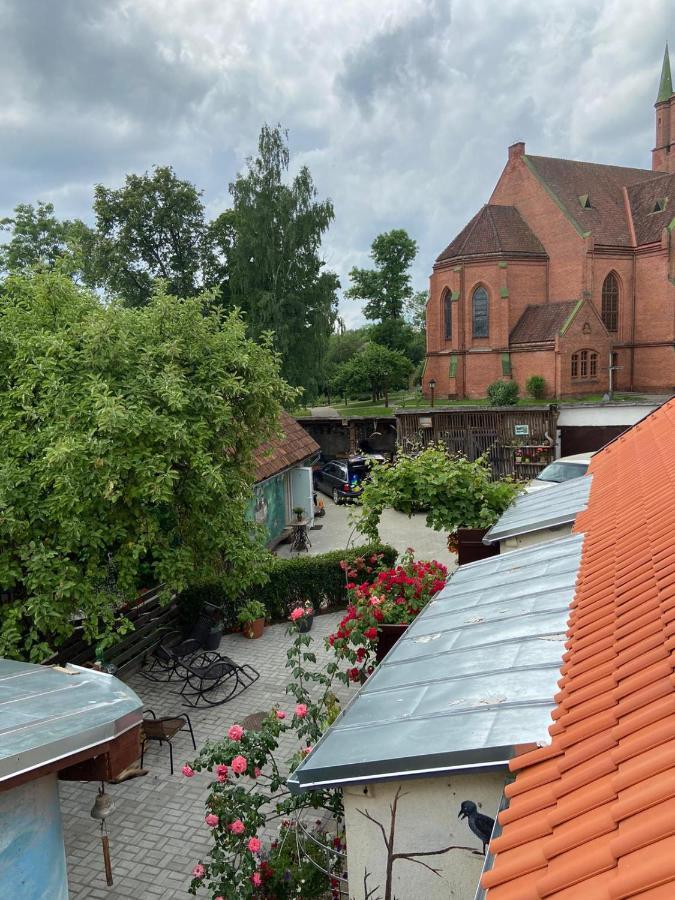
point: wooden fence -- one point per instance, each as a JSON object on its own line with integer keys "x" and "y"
{"x": 518, "y": 441}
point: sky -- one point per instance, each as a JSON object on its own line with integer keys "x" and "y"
{"x": 402, "y": 109}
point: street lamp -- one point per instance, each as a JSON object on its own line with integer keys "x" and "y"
{"x": 432, "y": 388}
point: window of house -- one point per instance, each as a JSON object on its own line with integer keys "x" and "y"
{"x": 480, "y": 307}
{"x": 584, "y": 364}
{"x": 593, "y": 364}
{"x": 610, "y": 302}
{"x": 447, "y": 315}
{"x": 575, "y": 365}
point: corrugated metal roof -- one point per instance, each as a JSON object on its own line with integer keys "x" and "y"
{"x": 546, "y": 508}
{"x": 48, "y": 713}
{"x": 474, "y": 675}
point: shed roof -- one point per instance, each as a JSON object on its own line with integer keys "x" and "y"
{"x": 541, "y": 323}
{"x": 591, "y": 814}
{"x": 290, "y": 449}
{"x": 556, "y": 505}
{"x": 473, "y": 676}
{"x": 48, "y": 713}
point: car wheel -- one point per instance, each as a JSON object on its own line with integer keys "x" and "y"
{"x": 336, "y": 497}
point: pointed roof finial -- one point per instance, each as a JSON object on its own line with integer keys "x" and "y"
{"x": 666, "y": 83}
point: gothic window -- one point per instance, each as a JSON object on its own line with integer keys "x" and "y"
{"x": 447, "y": 315}
{"x": 480, "y": 313}
{"x": 610, "y": 302}
{"x": 584, "y": 364}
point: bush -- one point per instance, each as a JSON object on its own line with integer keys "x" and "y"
{"x": 319, "y": 579}
{"x": 536, "y": 387}
{"x": 503, "y": 393}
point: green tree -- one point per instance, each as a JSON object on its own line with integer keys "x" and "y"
{"x": 386, "y": 288}
{"x": 399, "y": 335}
{"x": 152, "y": 227}
{"x": 416, "y": 311}
{"x": 128, "y": 439}
{"x": 374, "y": 368}
{"x": 275, "y": 272}
{"x": 38, "y": 239}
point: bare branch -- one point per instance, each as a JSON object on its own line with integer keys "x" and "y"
{"x": 367, "y": 815}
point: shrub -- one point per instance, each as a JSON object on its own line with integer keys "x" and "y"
{"x": 291, "y": 582}
{"x": 502, "y": 393}
{"x": 536, "y": 387}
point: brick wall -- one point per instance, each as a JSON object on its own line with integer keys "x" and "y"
{"x": 525, "y": 363}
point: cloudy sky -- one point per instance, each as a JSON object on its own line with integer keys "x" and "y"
{"x": 402, "y": 109}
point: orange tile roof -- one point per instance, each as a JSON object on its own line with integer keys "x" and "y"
{"x": 592, "y": 815}
{"x": 293, "y": 447}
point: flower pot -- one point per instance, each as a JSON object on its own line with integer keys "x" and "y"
{"x": 305, "y": 623}
{"x": 387, "y": 637}
{"x": 253, "y": 629}
{"x": 471, "y": 547}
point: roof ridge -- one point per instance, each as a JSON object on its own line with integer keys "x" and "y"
{"x": 584, "y": 162}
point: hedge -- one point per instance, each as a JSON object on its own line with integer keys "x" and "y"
{"x": 318, "y": 579}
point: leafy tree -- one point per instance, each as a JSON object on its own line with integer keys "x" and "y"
{"x": 386, "y": 288}
{"x": 374, "y": 368}
{"x": 416, "y": 311}
{"x": 399, "y": 335}
{"x": 454, "y": 492}
{"x": 151, "y": 228}
{"x": 275, "y": 273}
{"x": 39, "y": 240}
{"x": 127, "y": 438}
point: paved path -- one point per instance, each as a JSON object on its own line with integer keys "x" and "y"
{"x": 157, "y": 832}
{"x": 322, "y": 412}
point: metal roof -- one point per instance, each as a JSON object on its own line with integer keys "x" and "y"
{"x": 48, "y": 713}
{"x": 473, "y": 676}
{"x": 546, "y": 508}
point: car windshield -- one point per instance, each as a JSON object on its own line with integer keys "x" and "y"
{"x": 562, "y": 471}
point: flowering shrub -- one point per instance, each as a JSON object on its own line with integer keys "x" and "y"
{"x": 286, "y": 873}
{"x": 394, "y": 597}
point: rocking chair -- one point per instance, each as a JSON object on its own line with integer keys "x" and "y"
{"x": 207, "y": 672}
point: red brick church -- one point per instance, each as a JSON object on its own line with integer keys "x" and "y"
{"x": 569, "y": 267}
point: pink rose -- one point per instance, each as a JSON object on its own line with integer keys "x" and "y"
{"x": 254, "y": 844}
{"x": 212, "y": 820}
{"x": 257, "y": 772}
{"x": 199, "y": 871}
{"x": 281, "y": 714}
{"x": 239, "y": 765}
{"x": 301, "y": 710}
{"x": 237, "y": 827}
{"x": 221, "y": 772}
{"x": 187, "y": 771}
{"x": 256, "y": 879}
{"x": 235, "y": 732}
{"x": 297, "y": 614}
{"x": 306, "y": 751}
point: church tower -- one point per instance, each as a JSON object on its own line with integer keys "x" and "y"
{"x": 663, "y": 154}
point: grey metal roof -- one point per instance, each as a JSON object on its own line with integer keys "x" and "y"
{"x": 48, "y": 713}
{"x": 474, "y": 675}
{"x": 545, "y": 508}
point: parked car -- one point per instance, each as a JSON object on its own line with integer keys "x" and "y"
{"x": 563, "y": 469}
{"x": 342, "y": 479}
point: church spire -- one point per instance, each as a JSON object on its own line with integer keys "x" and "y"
{"x": 666, "y": 83}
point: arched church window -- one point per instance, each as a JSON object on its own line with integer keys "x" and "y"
{"x": 480, "y": 313}
{"x": 447, "y": 315}
{"x": 610, "y": 302}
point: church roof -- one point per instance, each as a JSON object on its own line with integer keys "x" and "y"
{"x": 652, "y": 206}
{"x": 666, "y": 83}
{"x": 494, "y": 230}
{"x": 539, "y": 324}
{"x": 591, "y": 194}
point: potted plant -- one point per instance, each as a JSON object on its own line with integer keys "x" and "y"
{"x": 251, "y": 617}
{"x": 303, "y": 616}
{"x": 299, "y": 513}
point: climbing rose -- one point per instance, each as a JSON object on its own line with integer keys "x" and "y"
{"x": 187, "y": 771}
{"x": 221, "y": 772}
{"x": 237, "y": 827}
{"x": 370, "y": 633}
{"x": 199, "y": 871}
{"x": 235, "y": 732}
{"x": 256, "y": 879}
{"x": 239, "y": 765}
{"x": 257, "y": 772}
{"x": 301, "y": 710}
{"x": 297, "y": 614}
{"x": 306, "y": 750}
{"x": 281, "y": 714}
{"x": 254, "y": 844}
{"x": 212, "y": 820}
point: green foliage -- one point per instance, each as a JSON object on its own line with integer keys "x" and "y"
{"x": 39, "y": 240}
{"x": 375, "y": 368}
{"x": 128, "y": 437}
{"x": 274, "y": 269}
{"x": 536, "y": 387}
{"x": 395, "y": 334}
{"x": 386, "y": 288}
{"x": 502, "y": 393}
{"x": 416, "y": 311}
{"x": 454, "y": 492}
{"x": 250, "y": 612}
{"x": 289, "y": 583}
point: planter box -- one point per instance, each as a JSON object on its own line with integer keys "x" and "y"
{"x": 471, "y": 547}
{"x": 388, "y": 635}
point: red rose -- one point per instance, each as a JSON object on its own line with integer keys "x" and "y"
{"x": 370, "y": 633}
{"x": 353, "y": 674}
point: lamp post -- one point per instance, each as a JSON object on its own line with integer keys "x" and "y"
{"x": 432, "y": 388}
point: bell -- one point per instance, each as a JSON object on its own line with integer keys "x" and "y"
{"x": 103, "y": 806}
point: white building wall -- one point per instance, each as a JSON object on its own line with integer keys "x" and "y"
{"x": 426, "y": 820}
{"x": 535, "y": 537}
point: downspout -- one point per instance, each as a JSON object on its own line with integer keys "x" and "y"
{"x": 462, "y": 337}
{"x": 632, "y": 328}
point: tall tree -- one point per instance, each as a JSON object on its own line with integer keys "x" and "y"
{"x": 374, "y": 368}
{"x": 274, "y": 270}
{"x": 152, "y": 227}
{"x": 38, "y": 239}
{"x": 386, "y": 288}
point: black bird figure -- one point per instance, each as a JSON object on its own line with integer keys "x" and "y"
{"x": 480, "y": 825}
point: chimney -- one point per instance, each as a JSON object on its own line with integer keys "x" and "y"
{"x": 516, "y": 150}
